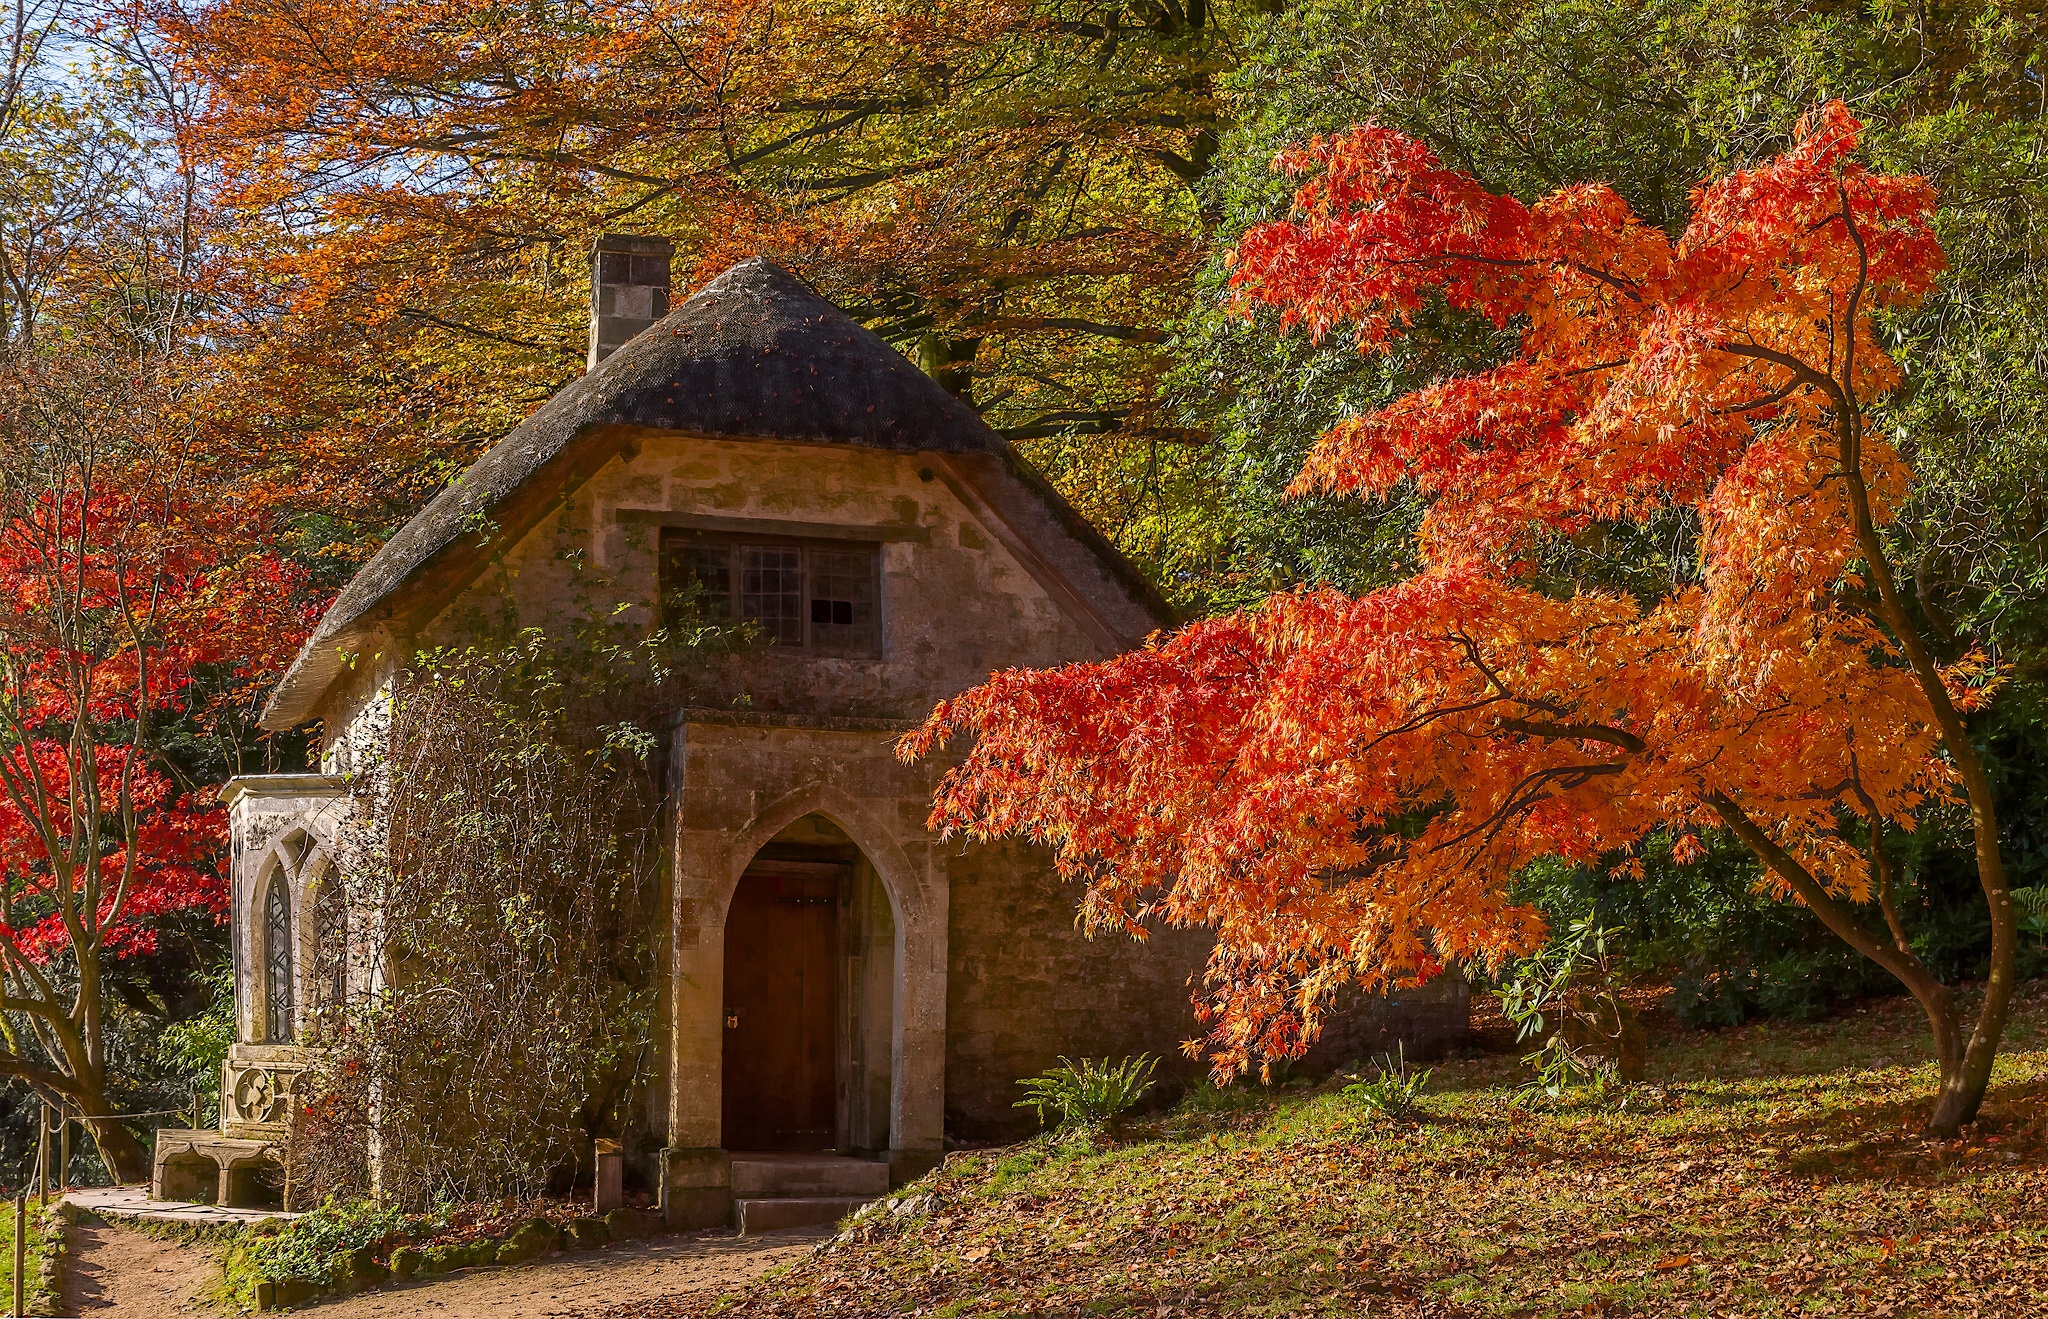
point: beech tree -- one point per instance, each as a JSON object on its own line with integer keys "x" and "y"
{"x": 1003, "y": 188}
{"x": 1343, "y": 788}
{"x": 139, "y": 593}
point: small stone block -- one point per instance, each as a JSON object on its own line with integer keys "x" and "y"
{"x": 628, "y": 1224}
{"x": 294, "y": 1291}
{"x": 610, "y": 1161}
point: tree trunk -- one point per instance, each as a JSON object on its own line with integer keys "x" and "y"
{"x": 1964, "y": 1082}
{"x": 124, "y": 1155}
{"x": 1965, "y": 1067}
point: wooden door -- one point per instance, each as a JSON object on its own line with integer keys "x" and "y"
{"x": 781, "y": 1010}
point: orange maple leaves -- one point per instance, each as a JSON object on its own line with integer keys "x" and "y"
{"x": 1343, "y": 788}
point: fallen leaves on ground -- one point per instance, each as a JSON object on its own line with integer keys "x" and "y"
{"x": 1715, "y": 1190}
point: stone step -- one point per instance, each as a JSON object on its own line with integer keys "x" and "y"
{"x": 806, "y": 1177}
{"x": 781, "y": 1214}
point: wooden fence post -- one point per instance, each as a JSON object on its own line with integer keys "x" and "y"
{"x": 20, "y": 1251}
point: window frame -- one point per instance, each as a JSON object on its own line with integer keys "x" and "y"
{"x": 671, "y": 540}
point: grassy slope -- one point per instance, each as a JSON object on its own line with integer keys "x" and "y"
{"x": 1773, "y": 1170}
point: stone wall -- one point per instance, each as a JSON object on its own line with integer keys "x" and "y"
{"x": 955, "y": 604}
{"x": 1026, "y": 987}
{"x": 994, "y": 981}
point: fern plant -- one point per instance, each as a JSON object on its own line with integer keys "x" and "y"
{"x": 2032, "y": 903}
{"x": 1090, "y": 1093}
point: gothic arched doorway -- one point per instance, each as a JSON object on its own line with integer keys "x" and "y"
{"x": 809, "y": 988}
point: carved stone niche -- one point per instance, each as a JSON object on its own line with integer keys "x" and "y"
{"x": 259, "y": 1084}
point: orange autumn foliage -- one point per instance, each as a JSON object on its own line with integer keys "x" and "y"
{"x": 1343, "y": 788}
{"x": 1003, "y": 189}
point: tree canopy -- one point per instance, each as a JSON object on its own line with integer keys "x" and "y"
{"x": 1344, "y": 787}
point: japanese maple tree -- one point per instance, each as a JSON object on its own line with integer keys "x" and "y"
{"x": 1344, "y": 787}
{"x": 124, "y": 573}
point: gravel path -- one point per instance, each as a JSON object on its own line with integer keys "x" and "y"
{"x": 117, "y": 1273}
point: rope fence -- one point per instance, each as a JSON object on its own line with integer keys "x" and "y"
{"x": 56, "y": 1119}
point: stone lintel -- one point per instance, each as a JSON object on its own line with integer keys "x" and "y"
{"x": 782, "y": 527}
{"x": 708, "y": 716}
{"x": 259, "y": 786}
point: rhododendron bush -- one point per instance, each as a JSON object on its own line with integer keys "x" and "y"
{"x": 1344, "y": 788}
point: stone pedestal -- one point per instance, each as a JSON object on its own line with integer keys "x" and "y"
{"x": 206, "y": 1167}
{"x": 906, "y": 1166}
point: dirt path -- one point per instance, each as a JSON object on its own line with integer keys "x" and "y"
{"x": 116, "y": 1273}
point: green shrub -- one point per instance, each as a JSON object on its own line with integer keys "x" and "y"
{"x": 1707, "y": 998}
{"x": 1394, "y": 1091}
{"x": 1090, "y": 1093}
{"x": 1569, "y": 996}
{"x": 318, "y": 1245}
{"x": 1208, "y": 1097}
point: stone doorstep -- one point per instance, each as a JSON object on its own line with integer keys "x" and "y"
{"x": 799, "y": 1176}
{"x": 778, "y": 1215}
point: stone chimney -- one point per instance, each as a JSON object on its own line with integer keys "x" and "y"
{"x": 628, "y": 290}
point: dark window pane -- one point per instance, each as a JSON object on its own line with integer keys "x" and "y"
{"x": 696, "y": 581}
{"x": 822, "y": 600}
{"x": 843, "y": 601}
{"x": 330, "y": 943}
{"x": 771, "y": 592}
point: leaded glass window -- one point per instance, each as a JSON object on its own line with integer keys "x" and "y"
{"x": 330, "y": 942}
{"x": 772, "y": 592}
{"x": 277, "y": 962}
{"x": 821, "y": 597}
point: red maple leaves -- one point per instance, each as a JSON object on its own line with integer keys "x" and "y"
{"x": 110, "y": 604}
{"x": 1343, "y": 788}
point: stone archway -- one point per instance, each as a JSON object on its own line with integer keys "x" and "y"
{"x": 191, "y": 1177}
{"x": 809, "y": 998}
{"x": 714, "y": 846}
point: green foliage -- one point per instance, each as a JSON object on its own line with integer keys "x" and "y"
{"x": 1205, "y": 1096}
{"x": 1395, "y": 1089}
{"x": 195, "y": 1048}
{"x": 313, "y": 1245}
{"x": 45, "y": 1238}
{"x": 1568, "y": 995}
{"x": 2032, "y": 902}
{"x": 1089, "y": 1093}
{"x": 1650, "y": 96}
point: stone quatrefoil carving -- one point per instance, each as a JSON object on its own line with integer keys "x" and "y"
{"x": 260, "y": 1094}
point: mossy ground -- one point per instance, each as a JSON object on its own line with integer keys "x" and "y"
{"x": 44, "y": 1234}
{"x": 1770, "y": 1170}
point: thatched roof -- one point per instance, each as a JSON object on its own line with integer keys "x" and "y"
{"x": 754, "y": 354}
